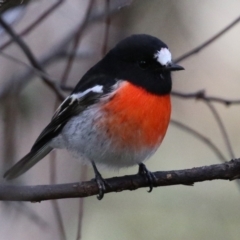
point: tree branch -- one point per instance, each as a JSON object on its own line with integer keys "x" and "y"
{"x": 225, "y": 171}
{"x": 30, "y": 56}
{"x": 201, "y": 95}
{"x": 208, "y": 42}
{"x": 35, "y": 23}
{"x": 201, "y": 137}
{"x": 222, "y": 128}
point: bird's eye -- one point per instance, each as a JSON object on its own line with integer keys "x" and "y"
{"x": 143, "y": 64}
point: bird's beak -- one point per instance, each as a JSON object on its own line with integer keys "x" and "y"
{"x": 173, "y": 67}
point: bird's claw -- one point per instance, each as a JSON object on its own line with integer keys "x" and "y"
{"x": 100, "y": 182}
{"x": 101, "y": 186}
{"x": 143, "y": 171}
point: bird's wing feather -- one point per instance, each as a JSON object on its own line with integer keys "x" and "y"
{"x": 72, "y": 106}
{"x": 90, "y": 88}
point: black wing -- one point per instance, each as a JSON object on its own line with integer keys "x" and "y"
{"x": 82, "y": 97}
{"x": 72, "y": 106}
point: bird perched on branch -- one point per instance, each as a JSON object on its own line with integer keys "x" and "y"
{"x": 118, "y": 113}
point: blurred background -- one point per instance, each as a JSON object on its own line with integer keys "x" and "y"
{"x": 209, "y": 210}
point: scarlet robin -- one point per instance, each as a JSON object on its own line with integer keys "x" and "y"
{"x": 118, "y": 113}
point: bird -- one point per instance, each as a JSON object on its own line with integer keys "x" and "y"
{"x": 118, "y": 113}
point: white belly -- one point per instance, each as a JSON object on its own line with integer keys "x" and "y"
{"x": 82, "y": 137}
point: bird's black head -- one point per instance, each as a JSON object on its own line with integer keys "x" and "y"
{"x": 142, "y": 60}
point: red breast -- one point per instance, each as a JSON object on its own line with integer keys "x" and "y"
{"x": 136, "y": 118}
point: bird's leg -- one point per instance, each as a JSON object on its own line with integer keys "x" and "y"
{"x": 147, "y": 175}
{"x": 100, "y": 182}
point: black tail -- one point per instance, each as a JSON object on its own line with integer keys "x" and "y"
{"x": 27, "y": 162}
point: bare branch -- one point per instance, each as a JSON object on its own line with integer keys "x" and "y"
{"x": 208, "y": 101}
{"x": 224, "y": 171}
{"x": 222, "y": 129}
{"x": 55, "y": 205}
{"x": 30, "y": 57}
{"x": 202, "y": 96}
{"x": 201, "y": 137}
{"x": 208, "y": 42}
{"x": 35, "y": 23}
{"x": 30, "y": 214}
{"x": 31, "y": 68}
{"x": 106, "y": 33}
{"x": 83, "y": 176}
{"x": 77, "y": 38}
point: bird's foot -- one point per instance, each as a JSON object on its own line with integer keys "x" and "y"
{"x": 101, "y": 186}
{"x": 100, "y": 182}
{"x": 143, "y": 171}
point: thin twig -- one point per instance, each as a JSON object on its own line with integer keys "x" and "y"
{"x": 28, "y": 212}
{"x": 10, "y": 112}
{"x": 201, "y": 137}
{"x": 224, "y": 133}
{"x": 31, "y": 68}
{"x": 55, "y": 205}
{"x": 30, "y": 57}
{"x": 83, "y": 177}
{"x": 107, "y": 27}
{"x": 202, "y": 96}
{"x": 35, "y": 23}
{"x": 208, "y": 42}
{"x": 76, "y": 43}
{"x": 207, "y": 101}
{"x": 222, "y": 129}
{"x": 16, "y": 85}
{"x": 58, "y": 217}
{"x": 224, "y": 171}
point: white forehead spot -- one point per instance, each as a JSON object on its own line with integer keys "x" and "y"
{"x": 163, "y": 56}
